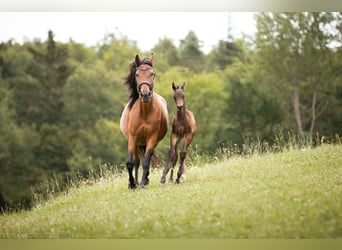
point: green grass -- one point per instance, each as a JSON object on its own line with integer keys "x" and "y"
{"x": 294, "y": 194}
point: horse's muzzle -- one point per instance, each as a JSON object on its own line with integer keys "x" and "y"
{"x": 146, "y": 97}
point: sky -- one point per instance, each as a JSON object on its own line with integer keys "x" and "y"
{"x": 146, "y": 28}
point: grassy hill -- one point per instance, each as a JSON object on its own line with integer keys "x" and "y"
{"x": 295, "y": 194}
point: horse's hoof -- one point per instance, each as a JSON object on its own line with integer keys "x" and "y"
{"x": 132, "y": 186}
{"x": 162, "y": 180}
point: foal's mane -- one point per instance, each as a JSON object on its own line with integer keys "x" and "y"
{"x": 130, "y": 81}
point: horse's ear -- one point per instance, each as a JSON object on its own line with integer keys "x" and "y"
{"x": 151, "y": 58}
{"x": 173, "y": 86}
{"x": 183, "y": 86}
{"x": 137, "y": 60}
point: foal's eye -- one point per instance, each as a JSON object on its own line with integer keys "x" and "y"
{"x": 136, "y": 75}
{"x": 153, "y": 75}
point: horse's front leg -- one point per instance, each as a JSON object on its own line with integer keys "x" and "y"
{"x": 146, "y": 168}
{"x": 136, "y": 168}
{"x": 130, "y": 164}
{"x": 132, "y": 160}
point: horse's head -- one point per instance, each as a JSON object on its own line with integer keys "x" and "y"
{"x": 144, "y": 77}
{"x": 179, "y": 95}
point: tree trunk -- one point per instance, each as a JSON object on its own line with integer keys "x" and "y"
{"x": 296, "y": 107}
{"x": 313, "y": 111}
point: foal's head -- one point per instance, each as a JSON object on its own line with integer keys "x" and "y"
{"x": 179, "y": 95}
{"x": 144, "y": 77}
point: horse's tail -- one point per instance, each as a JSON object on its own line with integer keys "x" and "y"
{"x": 156, "y": 160}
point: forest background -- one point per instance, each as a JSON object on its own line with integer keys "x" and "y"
{"x": 60, "y": 103}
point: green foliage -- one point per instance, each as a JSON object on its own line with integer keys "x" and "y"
{"x": 294, "y": 194}
{"x": 93, "y": 147}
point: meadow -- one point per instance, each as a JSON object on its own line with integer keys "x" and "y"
{"x": 291, "y": 194}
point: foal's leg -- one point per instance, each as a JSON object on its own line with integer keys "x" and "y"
{"x": 181, "y": 170}
{"x": 172, "y": 158}
{"x": 174, "y": 154}
{"x": 167, "y": 166}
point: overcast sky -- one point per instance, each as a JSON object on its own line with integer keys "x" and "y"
{"x": 143, "y": 27}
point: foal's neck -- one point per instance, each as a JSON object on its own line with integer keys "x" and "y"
{"x": 181, "y": 113}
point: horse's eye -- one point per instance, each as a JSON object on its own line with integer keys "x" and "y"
{"x": 153, "y": 75}
{"x": 136, "y": 75}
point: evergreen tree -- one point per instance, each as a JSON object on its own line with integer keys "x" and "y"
{"x": 49, "y": 70}
{"x": 191, "y": 55}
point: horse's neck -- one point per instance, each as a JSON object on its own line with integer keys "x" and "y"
{"x": 146, "y": 107}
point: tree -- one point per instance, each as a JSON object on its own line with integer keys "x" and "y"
{"x": 166, "y": 54}
{"x": 295, "y": 48}
{"x": 224, "y": 54}
{"x": 17, "y": 169}
{"x": 190, "y": 53}
{"x": 51, "y": 70}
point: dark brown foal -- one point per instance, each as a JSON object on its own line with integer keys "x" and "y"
{"x": 183, "y": 126}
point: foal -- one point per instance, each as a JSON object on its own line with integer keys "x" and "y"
{"x": 183, "y": 126}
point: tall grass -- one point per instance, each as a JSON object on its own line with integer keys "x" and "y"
{"x": 281, "y": 142}
{"x": 290, "y": 194}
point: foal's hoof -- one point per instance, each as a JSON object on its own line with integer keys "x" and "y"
{"x": 162, "y": 180}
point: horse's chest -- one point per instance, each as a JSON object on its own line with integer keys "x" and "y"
{"x": 142, "y": 130}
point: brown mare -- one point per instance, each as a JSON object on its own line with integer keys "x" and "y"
{"x": 183, "y": 126}
{"x": 144, "y": 120}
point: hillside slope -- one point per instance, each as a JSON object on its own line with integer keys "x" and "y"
{"x": 296, "y": 194}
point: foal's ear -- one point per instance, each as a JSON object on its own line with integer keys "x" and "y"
{"x": 183, "y": 86}
{"x": 173, "y": 86}
{"x": 137, "y": 60}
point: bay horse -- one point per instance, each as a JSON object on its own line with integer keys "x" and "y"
{"x": 144, "y": 120}
{"x": 183, "y": 126}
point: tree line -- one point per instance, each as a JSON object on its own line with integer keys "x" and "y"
{"x": 60, "y": 103}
